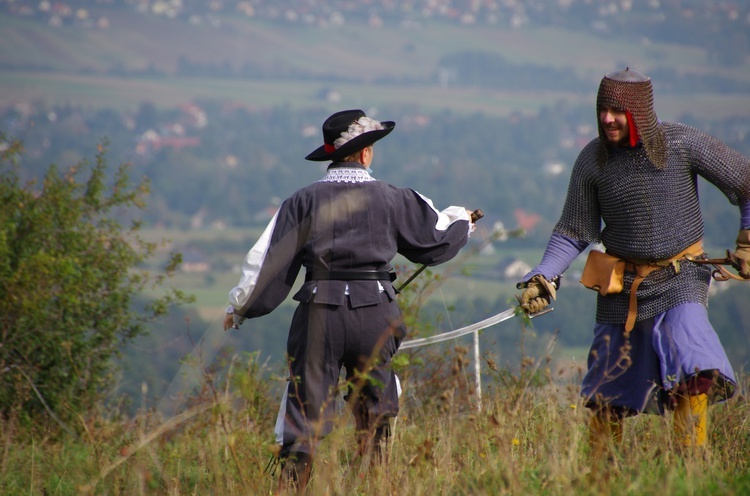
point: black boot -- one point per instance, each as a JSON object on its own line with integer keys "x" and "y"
{"x": 375, "y": 443}
{"x": 296, "y": 468}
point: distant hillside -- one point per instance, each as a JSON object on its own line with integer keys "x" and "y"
{"x": 253, "y": 61}
{"x": 207, "y": 98}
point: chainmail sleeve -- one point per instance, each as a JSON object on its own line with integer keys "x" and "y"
{"x": 719, "y": 164}
{"x": 581, "y": 215}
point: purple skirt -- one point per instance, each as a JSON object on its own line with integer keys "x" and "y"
{"x": 635, "y": 372}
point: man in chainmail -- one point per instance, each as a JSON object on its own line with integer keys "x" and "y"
{"x": 344, "y": 229}
{"x": 634, "y": 190}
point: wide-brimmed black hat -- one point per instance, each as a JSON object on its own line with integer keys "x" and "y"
{"x": 338, "y": 124}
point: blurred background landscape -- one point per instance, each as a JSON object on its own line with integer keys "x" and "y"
{"x": 217, "y": 103}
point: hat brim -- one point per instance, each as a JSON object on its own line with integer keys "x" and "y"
{"x": 355, "y": 144}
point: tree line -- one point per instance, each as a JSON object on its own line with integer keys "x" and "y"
{"x": 210, "y": 163}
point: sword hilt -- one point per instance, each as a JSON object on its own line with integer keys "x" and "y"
{"x": 541, "y": 312}
{"x": 476, "y": 215}
{"x": 720, "y": 273}
{"x": 713, "y": 261}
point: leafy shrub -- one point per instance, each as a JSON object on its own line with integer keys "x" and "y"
{"x": 69, "y": 272}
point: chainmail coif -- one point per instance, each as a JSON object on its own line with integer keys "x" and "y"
{"x": 630, "y": 90}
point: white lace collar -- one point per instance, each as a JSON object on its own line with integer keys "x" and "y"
{"x": 347, "y": 175}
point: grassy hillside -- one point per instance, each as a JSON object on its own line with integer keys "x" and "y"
{"x": 290, "y": 65}
{"x": 530, "y": 437}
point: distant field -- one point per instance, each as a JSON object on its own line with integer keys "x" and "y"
{"x": 68, "y": 65}
{"x": 349, "y": 51}
{"x": 122, "y": 94}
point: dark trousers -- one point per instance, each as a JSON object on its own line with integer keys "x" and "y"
{"x": 322, "y": 340}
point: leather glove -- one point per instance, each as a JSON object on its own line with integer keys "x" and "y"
{"x": 536, "y": 297}
{"x": 741, "y": 257}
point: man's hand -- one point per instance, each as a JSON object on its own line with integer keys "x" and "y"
{"x": 536, "y": 297}
{"x": 228, "y": 321}
{"x": 741, "y": 256}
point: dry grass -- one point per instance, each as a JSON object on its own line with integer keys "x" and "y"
{"x": 530, "y": 437}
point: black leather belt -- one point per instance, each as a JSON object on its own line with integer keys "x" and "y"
{"x": 350, "y": 275}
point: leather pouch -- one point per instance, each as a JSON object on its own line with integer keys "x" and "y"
{"x": 603, "y": 273}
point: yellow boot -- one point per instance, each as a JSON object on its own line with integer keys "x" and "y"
{"x": 690, "y": 418}
{"x": 605, "y": 428}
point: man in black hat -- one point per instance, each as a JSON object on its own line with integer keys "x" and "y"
{"x": 344, "y": 229}
{"x": 634, "y": 189}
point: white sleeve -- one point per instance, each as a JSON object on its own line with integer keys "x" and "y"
{"x": 449, "y": 215}
{"x": 239, "y": 295}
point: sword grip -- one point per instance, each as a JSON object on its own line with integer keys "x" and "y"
{"x": 476, "y": 215}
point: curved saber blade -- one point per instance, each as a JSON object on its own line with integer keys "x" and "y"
{"x": 478, "y": 326}
{"x": 192, "y": 372}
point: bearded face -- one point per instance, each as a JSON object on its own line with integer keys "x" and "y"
{"x": 625, "y": 115}
{"x": 614, "y": 125}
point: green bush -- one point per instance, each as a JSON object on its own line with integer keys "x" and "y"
{"x": 69, "y": 272}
